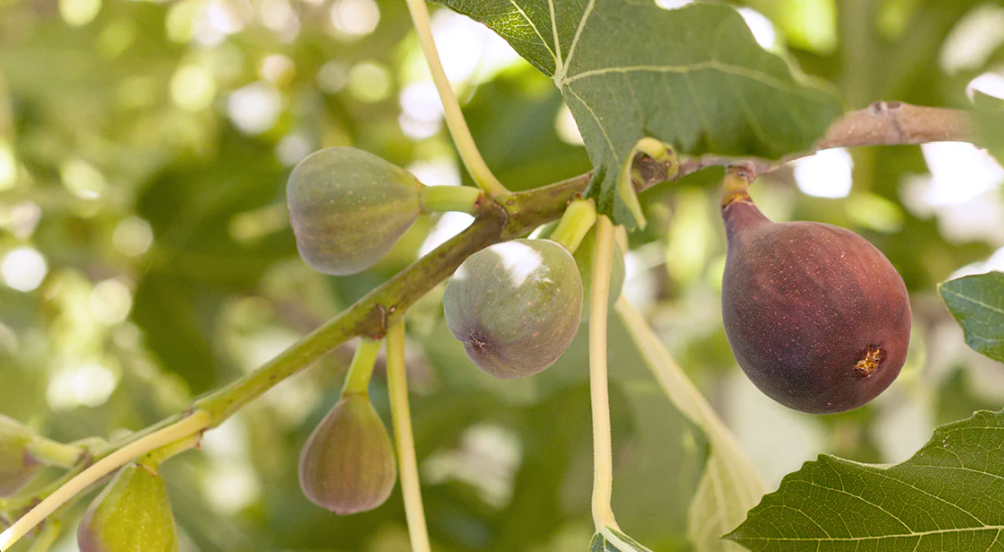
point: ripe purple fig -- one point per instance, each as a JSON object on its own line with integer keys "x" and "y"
{"x": 816, "y": 316}
{"x": 347, "y": 465}
{"x": 516, "y": 306}
{"x": 17, "y": 466}
{"x": 348, "y": 208}
{"x": 132, "y": 514}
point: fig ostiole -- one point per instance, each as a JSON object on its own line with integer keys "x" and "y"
{"x": 17, "y": 465}
{"x": 816, "y": 316}
{"x": 132, "y": 514}
{"x": 347, "y": 465}
{"x": 515, "y": 306}
{"x": 348, "y": 208}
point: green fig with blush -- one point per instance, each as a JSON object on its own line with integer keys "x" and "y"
{"x": 516, "y": 306}
{"x": 348, "y": 208}
{"x": 348, "y": 464}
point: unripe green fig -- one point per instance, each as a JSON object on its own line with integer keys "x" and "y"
{"x": 132, "y": 514}
{"x": 348, "y": 208}
{"x": 816, "y": 316}
{"x": 584, "y": 259}
{"x": 515, "y": 306}
{"x": 347, "y": 465}
{"x": 17, "y": 466}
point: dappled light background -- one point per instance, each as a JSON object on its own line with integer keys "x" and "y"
{"x": 146, "y": 256}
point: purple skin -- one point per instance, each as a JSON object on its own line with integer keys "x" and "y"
{"x": 817, "y": 317}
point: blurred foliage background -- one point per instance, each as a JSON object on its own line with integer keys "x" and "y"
{"x": 146, "y": 258}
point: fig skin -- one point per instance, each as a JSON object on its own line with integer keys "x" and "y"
{"x": 132, "y": 514}
{"x": 17, "y": 466}
{"x": 515, "y": 306}
{"x": 816, "y": 316}
{"x": 348, "y": 466}
{"x": 348, "y": 208}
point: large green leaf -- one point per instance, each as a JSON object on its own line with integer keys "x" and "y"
{"x": 948, "y": 497}
{"x": 692, "y": 77}
{"x": 977, "y": 302}
{"x": 731, "y": 484}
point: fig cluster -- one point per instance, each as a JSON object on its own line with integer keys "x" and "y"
{"x": 817, "y": 317}
{"x": 515, "y": 306}
{"x": 347, "y": 465}
{"x": 348, "y": 208}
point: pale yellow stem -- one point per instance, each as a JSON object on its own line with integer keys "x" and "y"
{"x": 397, "y": 381}
{"x": 603, "y": 472}
{"x": 468, "y": 150}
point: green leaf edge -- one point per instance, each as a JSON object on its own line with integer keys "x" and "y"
{"x": 736, "y": 535}
{"x": 971, "y": 339}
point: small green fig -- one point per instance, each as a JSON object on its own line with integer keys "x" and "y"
{"x": 347, "y": 465}
{"x": 584, "y": 259}
{"x": 132, "y": 514}
{"x": 515, "y": 306}
{"x": 17, "y": 466}
{"x": 348, "y": 208}
{"x": 816, "y": 316}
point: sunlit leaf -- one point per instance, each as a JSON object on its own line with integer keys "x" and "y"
{"x": 946, "y": 498}
{"x": 693, "y": 77}
{"x": 977, "y": 302}
{"x": 730, "y": 484}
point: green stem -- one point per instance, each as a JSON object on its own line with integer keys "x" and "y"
{"x": 357, "y": 382}
{"x": 441, "y": 199}
{"x": 603, "y": 514}
{"x": 397, "y": 381}
{"x": 468, "y": 150}
{"x": 170, "y": 450}
{"x": 52, "y": 453}
{"x": 579, "y": 217}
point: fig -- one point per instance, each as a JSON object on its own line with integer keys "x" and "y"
{"x": 584, "y": 259}
{"x": 515, "y": 306}
{"x": 816, "y": 316}
{"x": 17, "y": 466}
{"x": 132, "y": 514}
{"x": 347, "y": 465}
{"x": 348, "y": 208}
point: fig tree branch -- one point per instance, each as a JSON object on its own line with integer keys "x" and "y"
{"x": 496, "y": 219}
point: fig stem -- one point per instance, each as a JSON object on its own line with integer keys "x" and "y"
{"x": 442, "y": 199}
{"x": 603, "y": 515}
{"x": 455, "y": 121}
{"x": 51, "y": 453}
{"x": 736, "y": 185}
{"x": 397, "y": 381}
{"x": 192, "y": 424}
{"x": 579, "y": 217}
{"x": 357, "y": 382}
